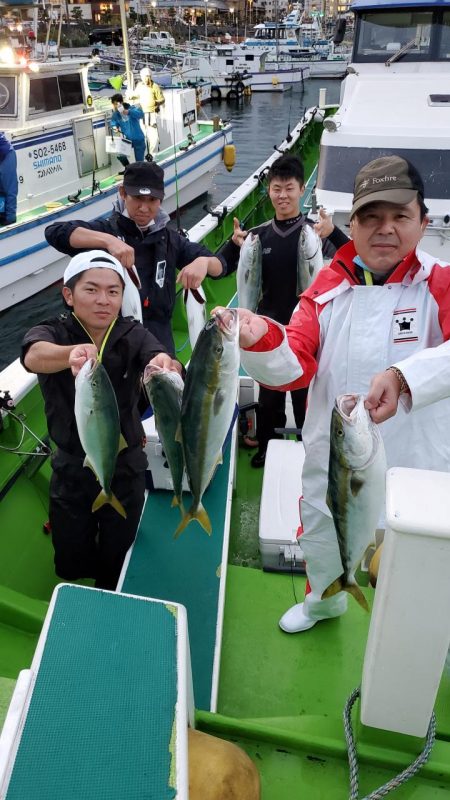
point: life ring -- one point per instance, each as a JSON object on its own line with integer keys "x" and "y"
{"x": 232, "y": 94}
{"x": 216, "y": 94}
{"x": 240, "y": 87}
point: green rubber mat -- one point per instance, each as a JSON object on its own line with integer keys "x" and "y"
{"x": 185, "y": 570}
{"x": 102, "y": 711}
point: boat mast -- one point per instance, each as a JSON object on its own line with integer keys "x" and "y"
{"x": 126, "y": 47}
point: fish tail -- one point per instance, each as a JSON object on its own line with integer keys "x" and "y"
{"x": 341, "y": 585}
{"x": 104, "y": 498}
{"x": 357, "y": 594}
{"x": 178, "y": 501}
{"x": 200, "y": 514}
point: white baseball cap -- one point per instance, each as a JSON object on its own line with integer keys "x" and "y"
{"x": 92, "y": 259}
{"x": 145, "y": 73}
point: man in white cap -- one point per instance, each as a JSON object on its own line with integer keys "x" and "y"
{"x": 150, "y": 98}
{"x": 91, "y": 544}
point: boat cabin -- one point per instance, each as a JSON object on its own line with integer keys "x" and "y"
{"x": 420, "y": 30}
{"x": 394, "y": 100}
{"x": 47, "y": 112}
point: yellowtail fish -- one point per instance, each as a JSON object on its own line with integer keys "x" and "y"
{"x": 309, "y": 257}
{"x": 165, "y": 390}
{"x": 98, "y": 424}
{"x": 356, "y": 487}
{"x": 249, "y": 272}
{"x": 209, "y": 400}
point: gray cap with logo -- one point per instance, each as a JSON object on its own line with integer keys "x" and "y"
{"x": 389, "y": 179}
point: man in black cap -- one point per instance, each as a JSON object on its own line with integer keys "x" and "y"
{"x": 375, "y": 323}
{"x": 137, "y": 234}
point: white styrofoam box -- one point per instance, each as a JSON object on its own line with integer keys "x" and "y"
{"x": 157, "y": 462}
{"x": 279, "y": 516}
{"x": 409, "y": 632}
{"x": 248, "y": 393}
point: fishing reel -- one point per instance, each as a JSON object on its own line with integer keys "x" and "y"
{"x": 73, "y": 198}
{"x": 220, "y": 215}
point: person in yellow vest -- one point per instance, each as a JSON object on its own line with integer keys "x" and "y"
{"x": 150, "y": 98}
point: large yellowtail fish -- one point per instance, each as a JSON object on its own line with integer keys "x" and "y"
{"x": 249, "y": 273}
{"x": 309, "y": 257}
{"x": 356, "y": 487}
{"x": 165, "y": 390}
{"x": 97, "y": 418}
{"x": 209, "y": 400}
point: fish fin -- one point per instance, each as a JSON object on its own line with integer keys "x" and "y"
{"x": 87, "y": 463}
{"x": 334, "y": 587}
{"x": 178, "y": 437}
{"x": 356, "y": 484}
{"x": 122, "y": 443}
{"x": 219, "y": 398}
{"x": 175, "y": 501}
{"x": 328, "y": 499}
{"x": 200, "y": 514}
{"x": 104, "y": 498}
{"x": 339, "y": 585}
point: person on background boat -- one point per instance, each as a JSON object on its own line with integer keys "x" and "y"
{"x": 9, "y": 186}
{"x": 127, "y": 119}
{"x": 137, "y": 233}
{"x": 375, "y": 322}
{"x": 279, "y": 240}
{"x": 91, "y": 544}
{"x": 150, "y": 98}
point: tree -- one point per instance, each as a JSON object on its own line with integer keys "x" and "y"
{"x": 77, "y": 16}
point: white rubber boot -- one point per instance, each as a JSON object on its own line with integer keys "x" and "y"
{"x": 304, "y": 616}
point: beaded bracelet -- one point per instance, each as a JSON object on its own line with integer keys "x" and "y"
{"x": 404, "y": 388}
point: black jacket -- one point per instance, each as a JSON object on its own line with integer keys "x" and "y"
{"x": 161, "y": 246}
{"x": 279, "y": 241}
{"x": 128, "y": 350}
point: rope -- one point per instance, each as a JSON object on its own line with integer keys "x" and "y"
{"x": 402, "y": 777}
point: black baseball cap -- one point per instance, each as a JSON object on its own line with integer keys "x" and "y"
{"x": 144, "y": 178}
{"x": 389, "y": 179}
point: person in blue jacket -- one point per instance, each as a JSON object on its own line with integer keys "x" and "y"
{"x": 127, "y": 119}
{"x": 9, "y": 186}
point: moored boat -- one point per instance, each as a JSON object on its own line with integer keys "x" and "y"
{"x": 59, "y": 135}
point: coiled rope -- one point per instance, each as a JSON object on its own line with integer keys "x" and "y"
{"x": 402, "y": 777}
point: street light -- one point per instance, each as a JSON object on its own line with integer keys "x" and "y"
{"x": 206, "y": 19}
{"x": 232, "y": 16}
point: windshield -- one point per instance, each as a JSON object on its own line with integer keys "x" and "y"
{"x": 382, "y": 34}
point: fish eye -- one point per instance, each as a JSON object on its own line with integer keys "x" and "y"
{"x": 340, "y": 432}
{"x": 219, "y": 349}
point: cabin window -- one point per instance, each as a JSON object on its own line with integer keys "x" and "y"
{"x": 444, "y": 39}
{"x": 55, "y": 93}
{"x": 249, "y": 58}
{"x": 8, "y": 96}
{"x": 381, "y": 34}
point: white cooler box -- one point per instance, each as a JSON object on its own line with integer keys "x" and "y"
{"x": 279, "y": 516}
{"x": 157, "y": 462}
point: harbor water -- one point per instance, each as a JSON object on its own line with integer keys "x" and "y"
{"x": 260, "y": 123}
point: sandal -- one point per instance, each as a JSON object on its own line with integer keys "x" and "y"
{"x": 249, "y": 442}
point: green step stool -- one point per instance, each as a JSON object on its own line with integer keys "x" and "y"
{"x": 103, "y": 712}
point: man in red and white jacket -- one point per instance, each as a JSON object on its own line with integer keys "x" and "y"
{"x": 375, "y": 322}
